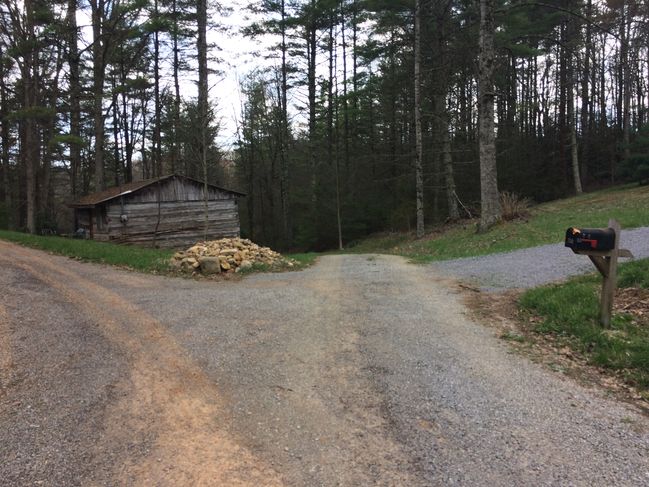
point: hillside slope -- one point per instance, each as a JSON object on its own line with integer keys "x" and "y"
{"x": 546, "y": 223}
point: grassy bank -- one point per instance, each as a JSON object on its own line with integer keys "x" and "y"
{"x": 299, "y": 262}
{"x": 141, "y": 259}
{"x": 569, "y": 312}
{"x": 303, "y": 260}
{"x": 545, "y": 223}
{"x": 138, "y": 258}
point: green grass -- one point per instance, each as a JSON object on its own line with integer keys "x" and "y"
{"x": 569, "y": 311}
{"x": 634, "y": 274}
{"x": 546, "y": 223}
{"x": 300, "y": 261}
{"x": 513, "y": 337}
{"x": 138, "y": 258}
{"x": 141, "y": 259}
{"x": 303, "y": 260}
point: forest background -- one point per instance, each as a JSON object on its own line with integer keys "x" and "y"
{"x": 361, "y": 116}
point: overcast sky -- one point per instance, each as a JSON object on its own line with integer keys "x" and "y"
{"x": 239, "y": 55}
{"x": 235, "y": 51}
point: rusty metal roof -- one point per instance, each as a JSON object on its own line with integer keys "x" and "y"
{"x": 94, "y": 199}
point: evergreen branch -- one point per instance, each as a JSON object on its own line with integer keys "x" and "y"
{"x": 564, "y": 10}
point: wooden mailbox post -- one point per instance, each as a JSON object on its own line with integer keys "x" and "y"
{"x": 606, "y": 263}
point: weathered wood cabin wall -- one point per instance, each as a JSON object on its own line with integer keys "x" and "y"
{"x": 166, "y": 214}
{"x": 176, "y": 189}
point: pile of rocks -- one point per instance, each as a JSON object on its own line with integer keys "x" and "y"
{"x": 226, "y": 255}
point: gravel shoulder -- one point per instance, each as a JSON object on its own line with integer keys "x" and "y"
{"x": 527, "y": 268}
{"x": 359, "y": 371}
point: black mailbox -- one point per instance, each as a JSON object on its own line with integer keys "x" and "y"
{"x": 590, "y": 238}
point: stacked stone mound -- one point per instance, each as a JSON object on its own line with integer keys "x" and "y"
{"x": 226, "y": 255}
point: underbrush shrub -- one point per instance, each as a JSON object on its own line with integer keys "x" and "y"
{"x": 636, "y": 168}
{"x": 514, "y": 206}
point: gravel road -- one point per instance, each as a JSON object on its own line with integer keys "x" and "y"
{"x": 533, "y": 267}
{"x": 360, "y": 371}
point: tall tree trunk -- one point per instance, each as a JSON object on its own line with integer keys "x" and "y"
{"x": 419, "y": 151}
{"x": 176, "y": 75}
{"x": 98, "y": 70}
{"x": 574, "y": 150}
{"x": 311, "y": 40}
{"x": 339, "y": 220}
{"x": 203, "y": 101}
{"x": 621, "y": 68}
{"x": 573, "y": 40}
{"x": 30, "y": 149}
{"x": 116, "y": 136}
{"x": 4, "y": 134}
{"x": 284, "y": 136}
{"x": 586, "y": 101}
{"x": 565, "y": 83}
{"x": 49, "y": 131}
{"x": 463, "y": 114}
{"x": 146, "y": 172}
{"x": 603, "y": 122}
{"x": 330, "y": 128}
{"x": 512, "y": 90}
{"x": 392, "y": 97}
{"x": 355, "y": 61}
{"x": 157, "y": 142}
{"x": 345, "y": 100}
{"x": 330, "y": 94}
{"x": 74, "y": 94}
{"x": 626, "y": 83}
{"x": 251, "y": 178}
{"x": 537, "y": 103}
{"x": 489, "y": 197}
{"x": 444, "y": 161}
{"x": 449, "y": 179}
{"x": 127, "y": 130}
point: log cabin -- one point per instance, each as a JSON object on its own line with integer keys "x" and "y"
{"x": 165, "y": 212}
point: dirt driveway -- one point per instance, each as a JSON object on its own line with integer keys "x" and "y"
{"x": 363, "y": 370}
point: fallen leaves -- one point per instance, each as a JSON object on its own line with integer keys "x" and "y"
{"x": 633, "y": 301}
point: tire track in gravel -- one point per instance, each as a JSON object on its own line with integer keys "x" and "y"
{"x": 168, "y": 402}
{"x": 473, "y": 413}
{"x": 301, "y": 391}
{"x": 358, "y": 444}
